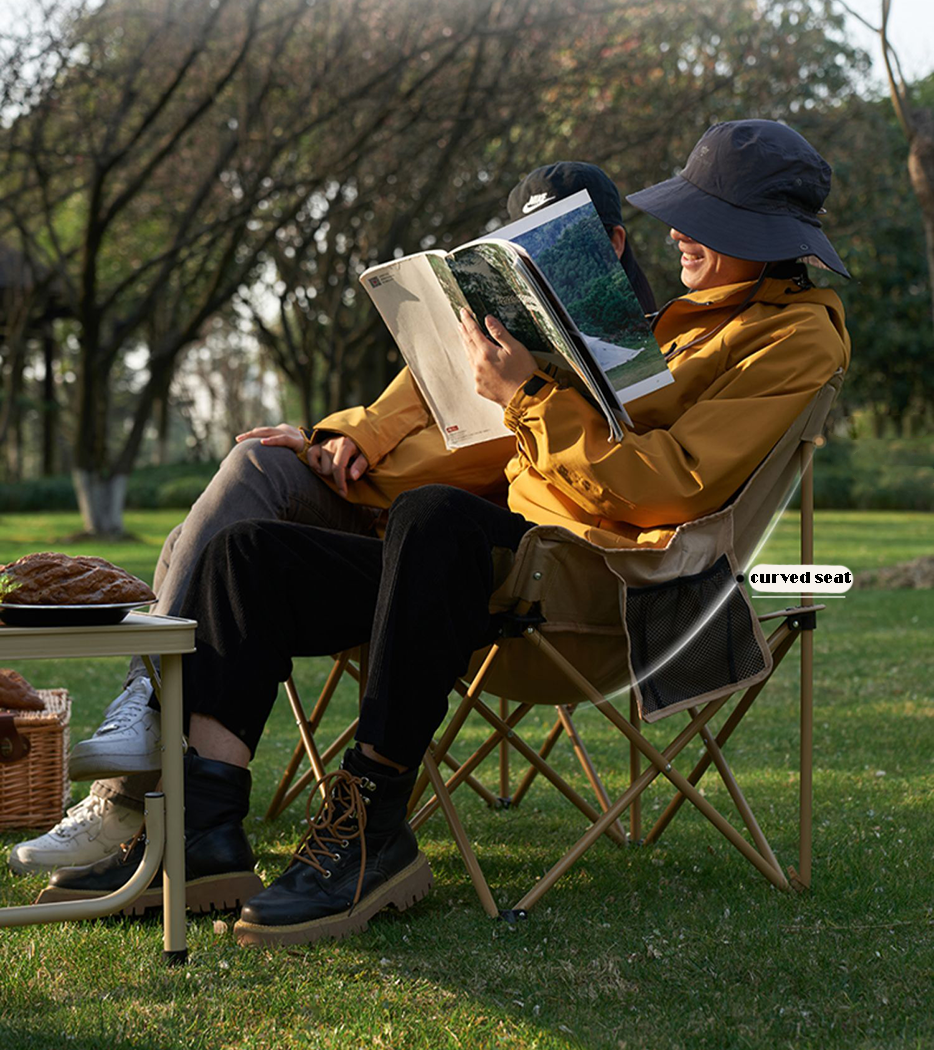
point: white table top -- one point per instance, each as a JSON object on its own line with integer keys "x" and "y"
{"x": 139, "y": 633}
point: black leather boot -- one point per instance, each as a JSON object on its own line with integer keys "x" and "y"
{"x": 218, "y": 860}
{"x": 358, "y": 856}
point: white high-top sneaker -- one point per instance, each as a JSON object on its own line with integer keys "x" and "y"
{"x": 127, "y": 741}
{"x": 90, "y": 831}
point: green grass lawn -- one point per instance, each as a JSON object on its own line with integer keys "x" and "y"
{"x": 679, "y": 945}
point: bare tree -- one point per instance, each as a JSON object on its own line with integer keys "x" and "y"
{"x": 917, "y": 123}
{"x": 165, "y": 158}
{"x": 629, "y": 86}
{"x": 208, "y": 127}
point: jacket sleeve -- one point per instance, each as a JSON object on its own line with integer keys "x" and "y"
{"x": 664, "y": 476}
{"x": 378, "y": 428}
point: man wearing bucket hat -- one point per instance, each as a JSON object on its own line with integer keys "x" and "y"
{"x": 750, "y": 345}
{"x": 751, "y": 189}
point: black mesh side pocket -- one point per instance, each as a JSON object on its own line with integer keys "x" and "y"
{"x": 690, "y": 636}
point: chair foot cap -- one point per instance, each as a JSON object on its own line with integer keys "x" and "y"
{"x": 513, "y": 915}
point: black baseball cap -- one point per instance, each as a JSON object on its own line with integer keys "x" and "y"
{"x": 553, "y": 182}
{"x": 752, "y": 189}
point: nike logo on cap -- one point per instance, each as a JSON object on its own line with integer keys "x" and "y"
{"x": 536, "y": 201}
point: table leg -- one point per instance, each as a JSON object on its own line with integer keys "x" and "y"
{"x": 173, "y": 785}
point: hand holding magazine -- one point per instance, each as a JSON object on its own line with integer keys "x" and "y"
{"x": 556, "y": 284}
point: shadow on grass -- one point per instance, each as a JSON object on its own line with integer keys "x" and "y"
{"x": 96, "y": 538}
{"x": 18, "y": 1038}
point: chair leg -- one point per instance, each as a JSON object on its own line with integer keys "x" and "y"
{"x": 460, "y": 837}
{"x": 454, "y": 726}
{"x": 564, "y": 716}
{"x": 783, "y": 639}
{"x": 465, "y": 768}
{"x": 635, "y": 764}
{"x": 488, "y": 797}
{"x": 802, "y": 877}
{"x": 309, "y": 776}
{"x": 739, "y": 799}
{"x": 554, "y": 735}
{"x": 564, "y": 724}
{"x": 307, "y": 727}
{"x": 503, "y": 728}
{"x": 661, "y": 764}
{"x": 504, "y": 754}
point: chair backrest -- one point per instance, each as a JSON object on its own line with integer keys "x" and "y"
{"x": 775, "y": 478}
{"x": 596, "y": 601}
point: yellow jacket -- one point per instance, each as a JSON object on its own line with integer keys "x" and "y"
{"x": 692, "y": 444}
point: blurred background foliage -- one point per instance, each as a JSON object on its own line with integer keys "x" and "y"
{"x": 189, "y": 190}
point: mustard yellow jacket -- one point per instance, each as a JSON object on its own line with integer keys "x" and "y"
{"x": 692, "y": 444}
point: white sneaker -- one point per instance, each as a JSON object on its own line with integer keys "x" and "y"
{"x": 90, "y": 831}
{"x": 127, "y": 741}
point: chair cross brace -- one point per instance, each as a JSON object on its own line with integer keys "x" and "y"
{"x": 759, "y": 854}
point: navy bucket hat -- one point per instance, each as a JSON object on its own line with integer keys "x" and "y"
{"x": 752, "y": 189}
{"x": 555, "y": 181}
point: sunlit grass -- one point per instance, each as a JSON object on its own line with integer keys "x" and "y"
{"x": 682, "y": 945}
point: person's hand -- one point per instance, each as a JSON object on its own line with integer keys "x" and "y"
{"x": 284, "y": 435}
{"x": 337, "y": 458}
{"x": 498, "y": 371}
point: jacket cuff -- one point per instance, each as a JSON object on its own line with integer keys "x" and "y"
{"x": 540, "y": 384}
{"x": 358, "y": 435}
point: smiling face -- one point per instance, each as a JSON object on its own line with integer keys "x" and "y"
{"x": 702, "y": 267}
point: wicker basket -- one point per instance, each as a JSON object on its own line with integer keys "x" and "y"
{"x": 35, "y": 790}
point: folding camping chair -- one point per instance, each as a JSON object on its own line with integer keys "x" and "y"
{"x": 573, "y": 606}
{"x": 353, "y": 664}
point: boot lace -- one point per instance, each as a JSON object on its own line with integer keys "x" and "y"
{"x": 127, "y": 847}
{"x": 341, "y": 817}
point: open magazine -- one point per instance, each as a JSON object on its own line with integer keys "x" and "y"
{"x": 555, "y": 282}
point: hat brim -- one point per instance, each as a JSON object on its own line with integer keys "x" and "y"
{"x": 739, "y": 232}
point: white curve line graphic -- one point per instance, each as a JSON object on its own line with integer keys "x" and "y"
{"x": 693, "y": 633}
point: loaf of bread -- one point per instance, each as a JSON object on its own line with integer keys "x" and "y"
{"x": 16, "y": 694}
{"x": 48, "y": 578}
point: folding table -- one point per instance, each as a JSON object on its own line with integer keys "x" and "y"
{"x": 139, "y": 633}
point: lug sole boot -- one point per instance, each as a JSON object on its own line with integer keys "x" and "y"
{"x": 358, "y": 857}
{"x": 400, "y": 892}
{"x": 219, "y": 863}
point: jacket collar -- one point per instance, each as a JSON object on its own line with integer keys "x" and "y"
{"x": 696, "y": 310}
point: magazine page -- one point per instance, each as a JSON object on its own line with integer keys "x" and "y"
{"x": 568, "y": 244}
{"x": 490, "y": 278}
{"x": 497, "y": 277}
{"x": 593, "y": 378}
{"x": 420, "y": 302}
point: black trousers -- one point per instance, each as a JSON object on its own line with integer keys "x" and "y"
{"x": 266, "y": 591}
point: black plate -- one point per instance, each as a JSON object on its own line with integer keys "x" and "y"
{"x": 65, "y": 615}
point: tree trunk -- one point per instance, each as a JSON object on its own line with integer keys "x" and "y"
{"x": 101, "y": 501}
{"x": 163, "y": 420}
{"x": 49, "y": 403}
{"x": 306, "y": 392}
{"x": 11, "y": 416}
{"x": 921, "y": 173}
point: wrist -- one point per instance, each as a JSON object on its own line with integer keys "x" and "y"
{"x": 308, "y": 440}
{"x": 530, "y": 392}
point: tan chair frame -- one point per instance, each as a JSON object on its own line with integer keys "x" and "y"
{"x": 289, "y": 788}
{"x": 797, "y": 624}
